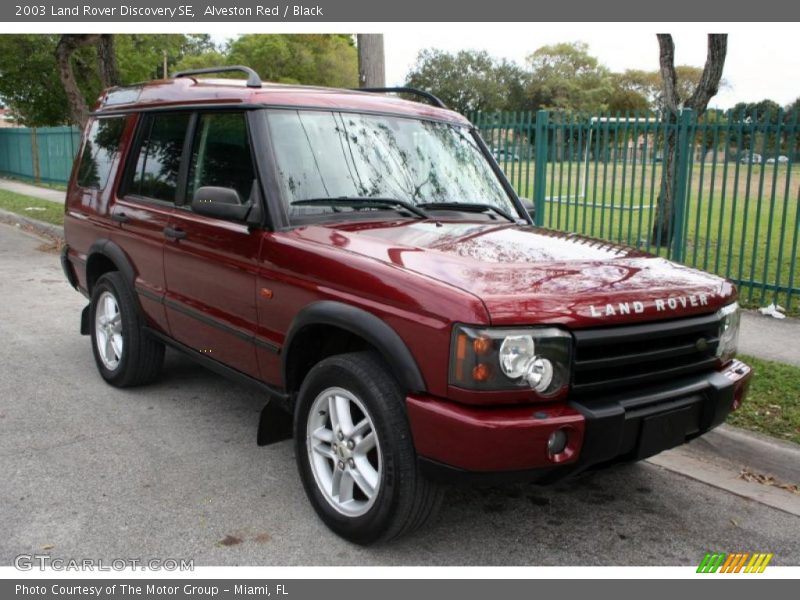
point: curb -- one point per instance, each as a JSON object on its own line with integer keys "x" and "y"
{"x": 720, "y": 457}
{"x": 760, "y": 453}
{"x": 39, "y": 227}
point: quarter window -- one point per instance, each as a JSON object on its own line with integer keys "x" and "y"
{"x": 159, "y": 158}
{"x": 100, "y": 151}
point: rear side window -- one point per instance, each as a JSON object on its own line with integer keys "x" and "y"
{"x": 221, "y": 155}
{"x": 159, "y": 157}
{"x": 100, "y": 151}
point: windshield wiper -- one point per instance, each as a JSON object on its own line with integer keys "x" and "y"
{"x": 365, "y": 202}
{"x": 468, "y": 207}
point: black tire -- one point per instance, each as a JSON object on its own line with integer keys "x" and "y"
{"x": 405, "y": 500}
{"x": 142, "y": 356}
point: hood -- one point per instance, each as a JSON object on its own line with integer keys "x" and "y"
{"x": 524, "y": 274}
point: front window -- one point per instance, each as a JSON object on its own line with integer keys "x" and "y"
{"x": 333, "y": 155}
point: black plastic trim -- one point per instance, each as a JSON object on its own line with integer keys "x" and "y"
{"x": 282, "y": 398}
{"x": 210, "y": 321}
{"x": 116, "y": 255}
{"x": 365, "y": 325}
{"x": 629, "y": 333}
{"x": 69, "y": 272}
{"x": 447, "y": 474}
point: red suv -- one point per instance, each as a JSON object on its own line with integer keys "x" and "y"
{"x": 362, "y": 260}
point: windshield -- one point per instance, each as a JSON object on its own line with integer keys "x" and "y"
{"x": 323, "y": 155}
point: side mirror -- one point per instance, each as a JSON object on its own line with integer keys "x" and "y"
{"x": 220, "y": 203}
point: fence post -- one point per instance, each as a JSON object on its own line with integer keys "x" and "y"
{"x": 680, "y": 192}
{"x": 540, "y": 168}
{"x": 37, "y": 173}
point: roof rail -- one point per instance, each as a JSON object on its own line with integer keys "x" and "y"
{"x": 407, "y": 90}
{"x": 253, "y": 80}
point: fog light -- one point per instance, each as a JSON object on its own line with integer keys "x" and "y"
{"x": 557, "y": 442}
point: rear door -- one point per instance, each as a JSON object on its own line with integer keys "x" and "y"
{"x": 146, "y": 201}
{"x": 210, "y": 264}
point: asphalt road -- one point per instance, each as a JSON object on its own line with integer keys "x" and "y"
{"x": 172, "y": 471}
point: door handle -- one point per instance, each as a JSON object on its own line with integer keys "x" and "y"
{"x": 174, "y": 234}
{"x": 120, "y": 217}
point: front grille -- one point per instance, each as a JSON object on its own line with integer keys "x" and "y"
{"x": 615, "y": 358}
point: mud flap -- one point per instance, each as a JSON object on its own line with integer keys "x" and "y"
{"x": 85, "y": 320}
{"x": 275, "y": 425}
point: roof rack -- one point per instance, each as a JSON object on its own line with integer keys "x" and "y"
{"x": 253, "y": 80}
{"x": 406, "y": 90}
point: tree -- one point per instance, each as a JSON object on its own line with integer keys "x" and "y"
{"x": 565, "y": 76}
{"x": 371, "y": 62}
{"x": 106, "y": 69}
{"x": 27, "y": 86}
{"x": 649, "y": 84}
{"x": 468, "y": 80}
{"x": 672, "y": 102}
{"x": 319, "y": 59}
{"x": 791, "y": 137}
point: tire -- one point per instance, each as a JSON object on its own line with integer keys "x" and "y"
{"x": 131, "y": 357}
{"x": 402, "y": 500}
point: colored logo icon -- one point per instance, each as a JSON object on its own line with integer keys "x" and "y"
{"x": 739, "y": 562}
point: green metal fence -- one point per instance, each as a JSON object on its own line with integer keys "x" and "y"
{"x": 42, "y": 154}
{"x": 734, "y": 183}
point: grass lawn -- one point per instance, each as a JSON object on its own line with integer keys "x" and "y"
{"x": 33, "y": 208}
{"x": 772, "y": 405}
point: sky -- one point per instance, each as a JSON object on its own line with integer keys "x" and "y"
{"x": 762, "y": 61}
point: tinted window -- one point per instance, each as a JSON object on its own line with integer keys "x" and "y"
{"x": 221, "y": 155}
{"x": 100, "y": 151}
{"x": 156, "y": 174}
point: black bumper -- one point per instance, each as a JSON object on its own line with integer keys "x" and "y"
{"x": 630, "y": 426}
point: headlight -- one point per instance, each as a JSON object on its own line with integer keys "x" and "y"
{"x": 729, "y": 318}
{"x": 535, "y": 358}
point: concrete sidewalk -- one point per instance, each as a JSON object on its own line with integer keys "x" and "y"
{"x": 769, "y": 338}
{"x": 32, "y": 190}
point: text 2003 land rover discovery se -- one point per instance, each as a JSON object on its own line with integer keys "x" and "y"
{"x": 363, "y": 260}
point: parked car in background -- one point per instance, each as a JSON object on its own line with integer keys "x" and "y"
{"x": 503, "y": 154}
{"x": 752, "y": 158}
{"x": 781, "y": 160}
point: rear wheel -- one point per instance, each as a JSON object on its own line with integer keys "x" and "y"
{"x": 124, "y": 354}
{"x": 355, "y": 454}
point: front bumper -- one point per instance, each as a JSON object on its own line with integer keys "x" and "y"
{"x": 456, "y": 442}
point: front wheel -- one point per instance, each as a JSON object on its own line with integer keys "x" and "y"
{"x": 355, "y": 454}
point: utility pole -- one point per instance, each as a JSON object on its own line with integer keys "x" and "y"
{"x": 166, "y": 75}
{"x": 371, "y": 62}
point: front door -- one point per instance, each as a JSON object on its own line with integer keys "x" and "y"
{"x": 210, "y": 264}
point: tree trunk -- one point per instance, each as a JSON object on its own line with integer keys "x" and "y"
{"x": 107, "y": 61}
{"x": 67, "y": 45}
{"x": 664, "y": 221}
{"x": 371, "y": 63}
